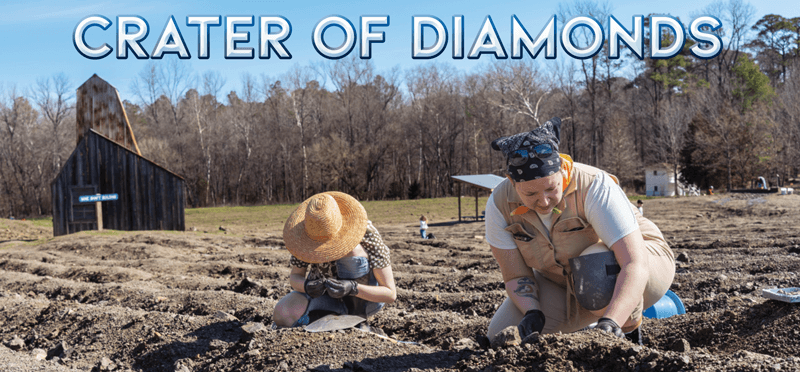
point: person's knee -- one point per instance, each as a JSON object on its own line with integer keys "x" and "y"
{"x": 599, "y": 313}
{"x": 284, "y": 316}
{"x": 289, "y": 309}
{"x": 598, "y": 247}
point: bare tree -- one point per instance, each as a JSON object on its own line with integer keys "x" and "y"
{"x": 590, "y": 68}
{"x": 200, "y": 109}
{"x": 788, "y": 115}
{"x": 213, "y": 82}
{"x": 521, "y": 88}
{"x": 22, "y": 165}
{"x": 146, "y": 88}
{"x": 303, "y": 85}
{"x": 736, "y": 17}
{"x": 672, "y": 127}
{"x": 362, "y": 104}
{"x": 174, "y": 80}
{"x": 161, "y": 85}
{"x": 437, "y": 111}
{"x": 347, "y": 74}
{"x": 54, "y": 96}
{"x": 245, "y": 120}
{"x": 565, "y": 73}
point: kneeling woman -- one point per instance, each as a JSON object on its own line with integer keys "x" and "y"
{"x": 340, "y": 264}
{"x": 571, "y": 247}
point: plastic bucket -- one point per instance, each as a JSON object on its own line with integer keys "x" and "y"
{"x": 667, "y": 306}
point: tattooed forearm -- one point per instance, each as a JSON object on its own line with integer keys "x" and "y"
{"x": 527, "y": 288}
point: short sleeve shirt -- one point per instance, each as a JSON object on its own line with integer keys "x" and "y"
{"x": 377, "y": 251}
{"x": 607, "y": 208}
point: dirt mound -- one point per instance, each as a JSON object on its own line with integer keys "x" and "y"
{"x": 191, "y": 301}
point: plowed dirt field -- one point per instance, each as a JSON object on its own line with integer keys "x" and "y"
{"x": 203, "y": 301}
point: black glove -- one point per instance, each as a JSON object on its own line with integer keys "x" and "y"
{"x": 610, "y": 326}
{"x": 338, "y": 288}
{"x": 314, "y": 287}
{"x": 533, "y": 321}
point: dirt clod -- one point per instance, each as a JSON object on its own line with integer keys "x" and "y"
{"x": 16, "y": 343}
{"x": 681, "y": 345}
{"x": 682, "y": 257}
{"x": 507, "y": 337}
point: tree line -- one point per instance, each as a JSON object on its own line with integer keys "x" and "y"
{"x": 397, "y": 134}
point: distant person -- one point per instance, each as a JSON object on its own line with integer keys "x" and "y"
{"x": 10, "y": 217}
{"x": 711, "y": 190}
{"x": 340, "y": 264}
{"x": 571, "y": 248}
{"x": 423, "y": 226}
{"x": 639, "y": 205}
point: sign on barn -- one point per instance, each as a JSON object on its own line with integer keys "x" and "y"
{"x": 97, "y": 198}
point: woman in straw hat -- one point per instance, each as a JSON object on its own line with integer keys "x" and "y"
{"x": 572, "y": 249}
{"x": 340, "y": 264}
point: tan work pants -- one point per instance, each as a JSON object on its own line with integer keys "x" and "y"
{"x": 553, "y": 299}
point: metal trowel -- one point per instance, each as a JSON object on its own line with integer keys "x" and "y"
{"x": 333, "y": 322}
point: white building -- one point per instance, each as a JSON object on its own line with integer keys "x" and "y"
{"x": 660, "y": 180}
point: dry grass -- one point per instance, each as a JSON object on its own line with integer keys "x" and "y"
{"x": 271, "y": 218}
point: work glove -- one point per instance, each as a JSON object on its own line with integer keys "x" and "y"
{"x": 338, "y": 288}
{"x": 610, "y": 326}
{"x": 533, "y": 321}
{"x": 314, "y": 287}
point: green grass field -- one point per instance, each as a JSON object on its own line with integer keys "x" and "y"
{"x": 272, "y": 217}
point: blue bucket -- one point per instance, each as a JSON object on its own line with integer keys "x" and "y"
{"x": 666, "y": 307}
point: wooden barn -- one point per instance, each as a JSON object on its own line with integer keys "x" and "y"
{"x": 107, "y": 160}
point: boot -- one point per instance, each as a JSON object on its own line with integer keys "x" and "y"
{"x": 636, "y": 336}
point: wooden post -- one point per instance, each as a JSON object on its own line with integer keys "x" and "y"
{"x": 99, "y": 208}
{"x": 476, "y": 203}
{"x": 459, "y": 202}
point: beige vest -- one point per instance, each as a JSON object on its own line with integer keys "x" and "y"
{"x": 571, "y": 232}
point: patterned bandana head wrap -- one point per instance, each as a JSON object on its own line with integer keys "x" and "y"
{"x": 529, "y": 143}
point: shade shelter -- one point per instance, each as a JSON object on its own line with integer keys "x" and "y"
{"x": 477, "y": 182}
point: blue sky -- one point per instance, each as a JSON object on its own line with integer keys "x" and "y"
{"x": 36, "y": 36}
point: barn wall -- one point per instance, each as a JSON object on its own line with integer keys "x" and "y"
{"x": 150, "y": 197}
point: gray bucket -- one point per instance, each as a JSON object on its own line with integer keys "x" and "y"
{"x": 594, "y": 277}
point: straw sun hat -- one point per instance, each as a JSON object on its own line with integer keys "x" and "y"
{"x": 325, "y": 227}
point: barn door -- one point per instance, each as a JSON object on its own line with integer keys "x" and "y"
{"x": 82, "y": 216}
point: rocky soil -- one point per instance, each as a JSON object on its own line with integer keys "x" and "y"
{"x": 195, "y": 301}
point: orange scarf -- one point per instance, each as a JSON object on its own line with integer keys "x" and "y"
{"x": 566, "y": 173}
